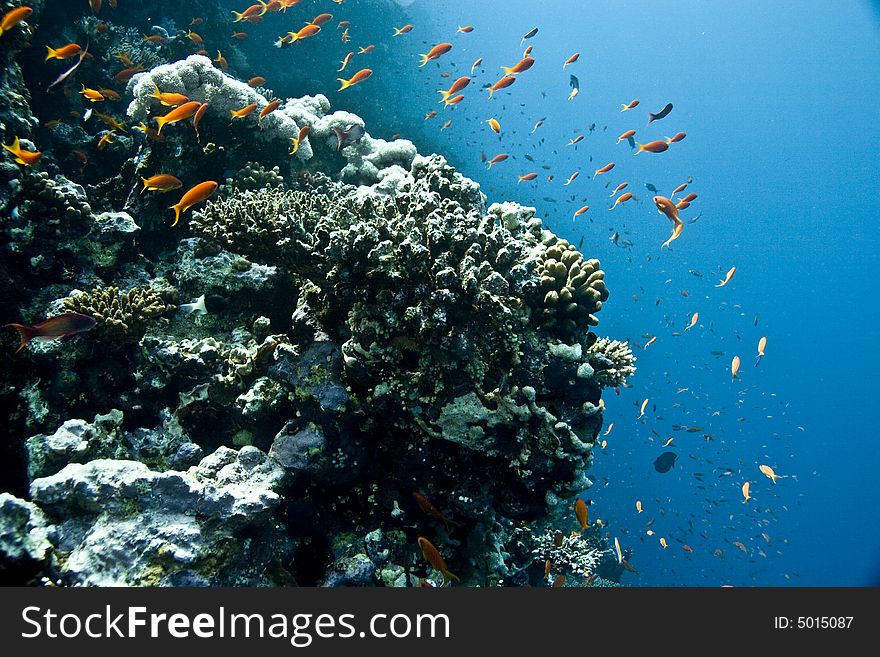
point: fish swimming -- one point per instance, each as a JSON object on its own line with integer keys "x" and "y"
{"x": 63, "y": 326}
{"x": 352, "y": 134}
{"x": 665, "y": 462}
{"x": 662, "y": 114}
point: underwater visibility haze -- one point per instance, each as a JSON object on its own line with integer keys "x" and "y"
{"x": 439, "y": 293}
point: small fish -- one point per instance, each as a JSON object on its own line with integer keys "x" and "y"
{"x": 357, "y": 78}
{"x": 127, "y": 74}
{"x": 639, "y": 506}
{"x": 257, "y": 81}
{"x": 580, "y": 211}
{"x": 559, "y": 582}
{"x": 21, "y": 156}
{"x": 197, "y": 119}
{"x": 768, "y": 472}
{"x": 571, "y": 60}
{"x": 321, "y": 19}
{"x": 604, "y": 169}
{"x": 663, "y": 543}
{"x": 694, "y": 319}
{"x": 633, "y": 103}
{"x": 650, "y": 342}
{"x": 626, "y": 136}
{"x": 576, "y": 140}
{"x": 498, "y": 158}
{"x": 503, "y": 83}
{"x": 177, "y": 115}
{"x": 644, "y": 406}
{"x": 539, "y": 124}
{"x": 762, "y": 344}
{"x": 457, "y": 86}
{"x": 161, "y": 183}
{"x": 268, "y": 109}
{"x": 475, "y": 64}
{"x": 529, "y": 35}
{"x": 106, "y": 139}
{"x": 13, "y": 17}
{"x": 63, "y": 52}
{"x": 618, "y": 551}
{"x": 727, "y": 278}
{"x": 431, "y": 510}
{"x": 367, "y": 50}
{"x": 582, "y": 513}
{"x": 745, "y": 492}
{"x": 352, "y": 134}
{"x": 547, "y": 565}
{"x": 668, "y": 442}
{"x": 572, "y": 178}
{"x": 734, "y": 368}
{"x": 465, "y": 29}
{"x": 432, "y": 556}
{"x": 197, "y": 194}
{"x": 303, "y": 133}
{"x": 168, "y": 99}
{"x": 527, "y": 177}
{"x": 619, "y": 188}
{"x": 92, "y": 95}
{"x": 662, "y": 114}
{"x": 623, "y": 198}
{"x": 610, "y": 427}
{"x": 402, "y": 30}
{"x": 195, "y": 37}
{"x": 244, "y": 112}
{"x": 496, "y": 127}
{"x": 675, "y": 139}
{"x": 437, "y": 51}
{"x": 63, "y": 326}
{"x": 657, "y": 146}
{"x": 665, "y": 462}
{"x": 523, "y": 65}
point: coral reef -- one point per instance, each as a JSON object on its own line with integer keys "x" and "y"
{"x": 272, "y": 380}
{"x": 122, "y": 316}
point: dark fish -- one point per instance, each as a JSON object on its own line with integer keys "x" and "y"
{"x": 632, "y": 144}
{"x": 662, "y": 114}
{"x": 651, "y": 188}
{"x": 574, "y": 82}
{"x": 665, "y": 461}
{"x": 696, "y": 273}
{"x": 529, "y": 34}
{"x": 351, "y": 135}
{"x": 529, "y": 157}
{"x": 61, "y": 326}
{"x": 757, "y": 319}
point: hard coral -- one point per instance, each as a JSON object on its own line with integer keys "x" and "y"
{"x": 121, "y": 316}
{"x": 612, "y": 361}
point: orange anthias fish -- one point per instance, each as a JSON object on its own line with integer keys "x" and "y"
{"x": 168, "y": 99}
{"x": 657, "y": 146}
{"x": 432, "y": 556}
{"x": 571, "y": 60}
{"x": 13, "y": 18}
{"x": 667, "y": 208}
{"x": 503, "y": 83}
{"x": 106, "y": 139}
{"x": 321, "y": 19}
{"x": 576, "y": 140}
{"x": 64, "y": 52}
{"x": 571, "y": 178}
{"x": 178, "y": 114}
{"x": 630, "y": 105}
{"x": 23, "y": 157}
{"x": 303, "y": 133}
{"x": 619, "y": 188}
{"x": 465, "y": 29}
{"x": 402, "y": 30}
{"x": 582, "y": 513}
{"x": 268, "y": 109}
{"x": 437, "y": 51}
{"x": 523, "y": 65}
{"x": 197, "y": 119}
{"x": 626, "y": 135}
{"x": 734, "y": 368}
{"x": 604, "y": 169}
{"x": 694, "y": 319}
{"x": 257, "y": 81}
{"x": 195, "y": 37}
{"x": 475, "y": 64}
{"x": 244, "y": 112}
{"x": 63, "y": 326}
{"x": 357, "y": 78}
{"x": 127, "y": 74}
{"x": 161, "y": 183}
{"x": 762, "y": 344}
{"x": 768, "y": 472}
{"x": 92, "y": 95}
{"x": 650, "y": 342}
{"x": 527, "y": 177}
{"x": 644, "y": 406}
{"x": 727, "y": 278}
{"x": 457, "y": 86}
{"x": 677, "y": 138}
{"x": 623, "y": 198}
{"x": 498, "y": 158}
{"x": 367, "y": 50}
{"x": 745, "y": 492}
{"x": 345, "y": 62}
{"x": 496, "y": 127}
{"x": 639, "y": 506}
{"x": 432, "y": 511}
{"x": 197, "y": 194}
{"x": 581, "y": 210}
{"x": 309, "y": 30}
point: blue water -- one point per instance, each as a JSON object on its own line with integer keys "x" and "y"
{"x": 779, "y": 102}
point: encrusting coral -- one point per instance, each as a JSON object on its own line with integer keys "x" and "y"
{"x": 122, "y": 316}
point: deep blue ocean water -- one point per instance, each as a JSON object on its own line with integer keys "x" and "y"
{"x": 779, "y": 101}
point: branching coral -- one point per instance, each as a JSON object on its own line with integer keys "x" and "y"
{"x": 576, "y": 553}
{"x": 613, "y": 361}
{"x": 573, "y": 288}
{"x": 122, "y": 316}
{"x": 253, "y": 176}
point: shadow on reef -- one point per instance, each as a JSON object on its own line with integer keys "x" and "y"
{"x": 341, "y": 356}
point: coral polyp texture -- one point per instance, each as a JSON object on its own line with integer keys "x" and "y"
{"x": 326, "y": 341}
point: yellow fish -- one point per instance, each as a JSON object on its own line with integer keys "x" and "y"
{"x": 762, "y": 344}
{"x": 644, "y": 406}
{"x": 727, "y": 278}
{"x": 694, "y": 319}
{"x": 734, "y": 368}
{"x": 768, "y": 472}
{"x": 663, "y": 543}
{"x": 745, "y": 491}
{"x": 639, "y": 506}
